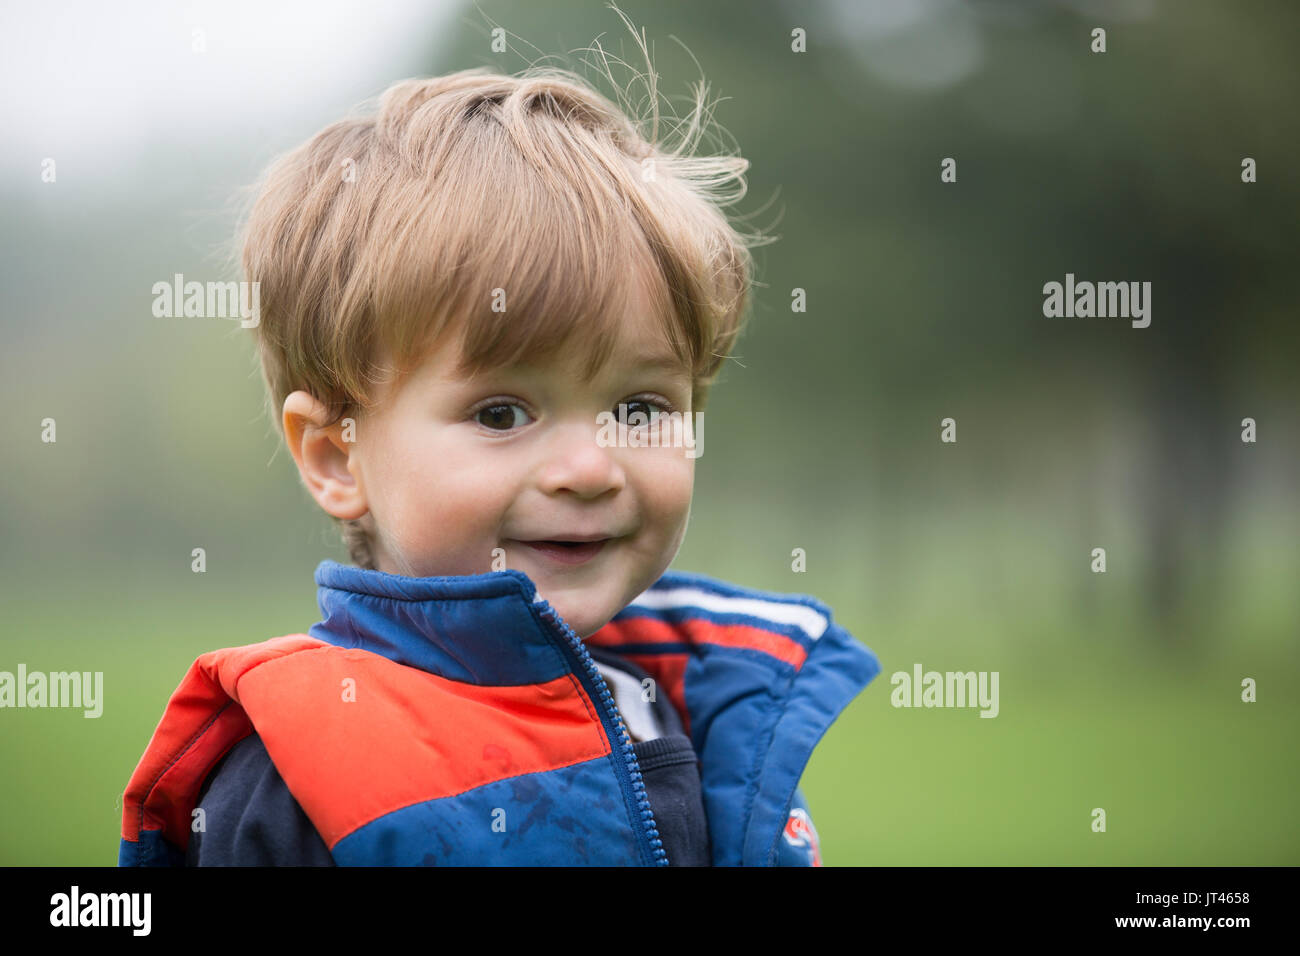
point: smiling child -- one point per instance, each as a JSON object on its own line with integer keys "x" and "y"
{"x": 454, "y": 292}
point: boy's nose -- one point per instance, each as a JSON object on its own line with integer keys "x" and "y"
{"x": 575, "y": 462}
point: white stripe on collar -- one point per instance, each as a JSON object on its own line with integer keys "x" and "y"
{"x": 811, "y": 622}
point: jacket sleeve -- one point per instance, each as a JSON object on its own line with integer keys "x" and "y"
{"x": 798, "y": 845}
{"x": 250, "y": 818}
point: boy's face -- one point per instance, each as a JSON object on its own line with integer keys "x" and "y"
{"x": 452, "y": 468}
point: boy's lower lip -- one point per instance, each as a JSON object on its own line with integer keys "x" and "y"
{"x": 568, "y": 554}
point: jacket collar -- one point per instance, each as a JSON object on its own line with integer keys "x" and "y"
{"x": 755, "y": 670}
{"x": 479, "y": 629}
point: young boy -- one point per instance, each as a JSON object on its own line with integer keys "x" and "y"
{"x": 480, "y": 309}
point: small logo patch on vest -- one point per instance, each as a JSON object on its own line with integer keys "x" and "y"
{"x": 800, "y": 832}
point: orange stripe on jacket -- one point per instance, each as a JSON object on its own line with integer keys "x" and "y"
{"x": 350, "y": 762}
{"x": 199, "y": 720}
{"x": 648, "y": 630}
{"x": 346, "y": 761}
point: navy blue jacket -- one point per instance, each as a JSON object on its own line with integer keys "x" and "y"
{"x": 478, "y": 701}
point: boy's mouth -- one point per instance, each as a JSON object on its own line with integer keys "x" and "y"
{"x": 568, "y": 551}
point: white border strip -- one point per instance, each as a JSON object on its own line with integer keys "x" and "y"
{"x": 805, "y": 618}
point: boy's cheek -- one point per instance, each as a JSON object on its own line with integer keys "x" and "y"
{"x": 672, "y": 485}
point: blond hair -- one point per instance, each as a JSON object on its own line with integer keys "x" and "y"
{"x": 384, "y": 232}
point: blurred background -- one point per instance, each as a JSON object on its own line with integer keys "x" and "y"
{"x": 1119, "y": 690}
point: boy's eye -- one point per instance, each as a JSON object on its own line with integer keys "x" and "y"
{"x": 502, "y": 417}
{"x": 639, "y": 413}
{"x": 505, "y": 416}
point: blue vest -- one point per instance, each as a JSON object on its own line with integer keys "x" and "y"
{"x": 460, "y": 721}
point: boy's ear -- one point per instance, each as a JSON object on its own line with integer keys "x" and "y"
{"x": 324, "y": 459}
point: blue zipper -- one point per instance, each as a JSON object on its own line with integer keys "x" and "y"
{"x": 631, "y": 781}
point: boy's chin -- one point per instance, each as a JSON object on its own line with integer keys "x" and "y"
{"x": 581, "y": 613}
{"x": 585, "y": 625}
